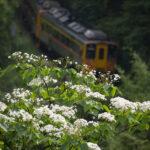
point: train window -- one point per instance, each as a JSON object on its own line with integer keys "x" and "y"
{"x": 65, "y": 40}
{"x": 112, "y": 51}
{"x": 91, "y": 51}
{"x": 101, "y": 53}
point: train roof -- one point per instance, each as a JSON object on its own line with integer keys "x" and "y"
{"x": 61, "y": 17}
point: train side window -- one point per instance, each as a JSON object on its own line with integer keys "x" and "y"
{"x": 101, "y": 53}
{"x": 91, "y": 51}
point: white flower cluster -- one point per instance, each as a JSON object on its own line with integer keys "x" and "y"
{"x": 88, "y": 92}
{"x": 68, "y": 112}
{"x": 88, "y": 74}
{"x": 6, "y": 118}
{"x": 39, "y": 100}
{"x": 107, "y": 116}
{"x": 3, "y": 106}
{"x": 123, "y": 104}
{"x": 145, "y": 106}
{"x": 78, "y": 125}
{"x": 52, "y": 131}
{"x": 57, "y": 114}
{"x": 96, "y": 95}
{"x": 80, "y": 88}
{"x": 93, "y": 146}
{"x": 27, "y": 57}
{"x": 41, "y": 81}
{"x": 93, "y": 123}
{"x": 42, "y": 111}
{"x": 18, "y": 94}
{"x": 21, "y": 114}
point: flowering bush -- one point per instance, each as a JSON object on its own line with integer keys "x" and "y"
{"x": 64, "y": 106}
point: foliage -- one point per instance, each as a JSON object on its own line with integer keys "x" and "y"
{"x": 137, "y": 81}
{"x": 12, "y": 35}
{"x": 63, "y": 106}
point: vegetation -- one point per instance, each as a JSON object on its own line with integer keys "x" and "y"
{"x": 12, "y": 35}
{"x": 33, "y": 90}
{"x": 63, "y": 106}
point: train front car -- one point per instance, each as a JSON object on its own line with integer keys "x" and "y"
{"x": 100, "y": 53}
{"x": 62, "y": 34}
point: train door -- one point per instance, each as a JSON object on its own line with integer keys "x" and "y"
{"x": 90, "y": 55}
{"x": 101, "y": 57}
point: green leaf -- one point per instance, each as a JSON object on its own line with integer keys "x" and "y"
{"x": 44, "y": 93}
{"x": 9, "y": 69}
{"x": 106, "y": 108}
{"x": 1, "y": 145}
{"x": 2, "y": 127}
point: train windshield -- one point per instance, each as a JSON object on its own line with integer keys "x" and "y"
{"x": 91, "y": 51}
{"x": 112, "y": 51}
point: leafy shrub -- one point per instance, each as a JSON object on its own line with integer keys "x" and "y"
{"x": 64, "y": 106}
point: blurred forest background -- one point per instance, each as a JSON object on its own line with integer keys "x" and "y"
{"x": 125, "y": 21}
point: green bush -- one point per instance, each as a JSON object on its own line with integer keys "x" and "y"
{"x": 64, "y": 106}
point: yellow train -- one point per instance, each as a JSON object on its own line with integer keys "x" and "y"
{"x": 56, "y": 28}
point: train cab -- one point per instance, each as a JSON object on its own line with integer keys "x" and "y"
{"x": 101, "y": 56}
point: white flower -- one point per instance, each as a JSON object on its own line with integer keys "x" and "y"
{"x": 48, "y": 128}
{"x": 107, "y": 116}
{"x": 28, "y": 58}
{"x": 42, "y": 81}
{"x": 42, "y": 111}
{"x": 88, "y": 92}
{"x": 80, "y": 88}
{"x": 95, "y": 124}
{"x": 116, "y": 77}
{"x": 68, "y": 112}
{"x": 51, "y": 130}
{"x": 145, "y": 106}
{"x": 39, "y": 100}
{"x": 3, "y": 106}
{"x": 25, "y": 116}
{"x": 92, "y": 74}
{"x": 123, "y": 104}
{"x": 80, "y": 123}
{"x": 36, "y": 125}
{"x": 6, "y": 118}
{"x": 93, "y": 146}
{"x": 70, "y": 129}
{"x": 96, "y": 95}
{"x": 57, "y": 118}
{"x": 17, "y": 95}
